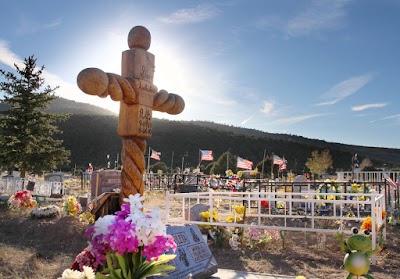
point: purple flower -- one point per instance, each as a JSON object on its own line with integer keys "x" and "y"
{"x": 155, "y": 249}
{"x": 123, "y": 213}
{"x": 122, "y": 237}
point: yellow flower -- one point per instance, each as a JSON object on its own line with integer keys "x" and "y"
{"x": 239, "y": 209}
{"x": 367, "y": 224}
{"x": 205, "y": 214}
{"x": 331, "y": 197}
{"x": 87, "y": 216}
{"x": 354, "y": 187}
{"x": 229, "y": 219}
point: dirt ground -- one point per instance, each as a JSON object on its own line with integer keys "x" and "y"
{"x": 43, "y": 248}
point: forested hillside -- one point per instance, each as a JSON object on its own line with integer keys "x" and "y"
{"x": 91, "y": 135}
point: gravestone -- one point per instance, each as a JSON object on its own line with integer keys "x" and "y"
{"x": 30, "y": 186}
{"x": 196, "y": 210}
{"x": 54, "y": 177}
{"x": 193, "y": 256}
{"x": 104, "y": 181}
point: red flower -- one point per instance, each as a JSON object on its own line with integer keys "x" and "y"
{"x": 264, "y": 204}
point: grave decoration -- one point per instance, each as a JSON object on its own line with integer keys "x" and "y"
{"x": 138, "y": 97}
{"x": 22, "y": 200}
{"x": 104, "y": 181}
{"x": 132, "y": 243}
{"x": 45, "y": 212}
{"x": 358, "y": 249}
{"x": 71, "y": 206}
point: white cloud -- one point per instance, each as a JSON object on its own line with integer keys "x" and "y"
{"x": 386, "y": 118}
{"x": 197, "y": 14}
{"x": 7, "y": 57}
{"x": 268, "y": 107}
{"x": 296, "y": 119}
{"x": 319, "y": 15}
{"x": 27, "y": 25}
{"x": 248, "y": 119}
{"x": 368, "y": 106}
{"x": 345, "y": 88}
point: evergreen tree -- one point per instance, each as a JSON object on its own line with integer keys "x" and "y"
{"x": 26, "y": 130}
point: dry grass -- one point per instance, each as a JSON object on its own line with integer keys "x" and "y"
{"x": 43, "y": 248}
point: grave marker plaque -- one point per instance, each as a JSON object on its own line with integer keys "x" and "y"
{"x": 104, "y": 181}
{"x": 193, "y": 256}
{"x": 54, "y": 177}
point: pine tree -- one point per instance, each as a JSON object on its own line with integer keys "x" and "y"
{"x": 27, "y": 132}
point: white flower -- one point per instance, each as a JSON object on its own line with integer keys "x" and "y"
{"x": 71, "y": 274}
{"x": 88, "y": 273}
{"x": 102, "y": 224}
{"x": 136, "y": 201}
{"x": 47, "y": 211}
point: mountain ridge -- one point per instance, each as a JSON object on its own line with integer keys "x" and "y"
{"x": 91, "y": 135}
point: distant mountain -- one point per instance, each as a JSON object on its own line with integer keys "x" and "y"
{"x": 62, "y": 105}
{"x": 91, "y": 135}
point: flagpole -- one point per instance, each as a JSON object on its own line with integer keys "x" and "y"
{"x": 172, "y": 161}
{"x": 148, "y": 161}
{"x": 262, "y": 169}
{"x": 199, "y": 158}
{"x": 227, "y": 158}
{"x": 272, "y": 166}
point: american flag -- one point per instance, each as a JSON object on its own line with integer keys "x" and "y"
{"x": 282, "y": 166}
{"x": 277, "y": 160}
{"x": 244, "y": 164}
{"x": 391, "y": 183}
{"x": 206, "y": 155}
{"x": 155, "y": 155}
{"x": 89, "y": 206}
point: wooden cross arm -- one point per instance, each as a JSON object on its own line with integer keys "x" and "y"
{"x": 94, "y": 81}
{"x": 168, "y": 102}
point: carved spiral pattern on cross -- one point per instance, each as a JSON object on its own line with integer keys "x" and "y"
{"x": 133, "y": 149}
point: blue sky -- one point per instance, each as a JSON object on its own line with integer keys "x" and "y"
{"x": 324, "y": 69}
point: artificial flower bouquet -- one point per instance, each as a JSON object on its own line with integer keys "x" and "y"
{"x": 72, "y": 206}
{"x": 21, "y": 200}
{"x": 130, "y": 244}
{"x": 45, "y": 212}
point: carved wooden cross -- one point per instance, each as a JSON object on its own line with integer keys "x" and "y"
{"x": 138, "y": 97}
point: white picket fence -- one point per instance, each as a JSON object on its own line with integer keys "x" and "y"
{"x": 313, "y": 212}
{"x": 10, "y": 186}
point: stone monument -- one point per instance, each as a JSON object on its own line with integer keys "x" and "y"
{"x": 138, "y": 97}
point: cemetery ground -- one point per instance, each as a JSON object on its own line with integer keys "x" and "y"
{"x": 43, "y": 248}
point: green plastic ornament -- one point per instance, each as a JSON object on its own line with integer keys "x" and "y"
{"x": 358, "y": 249}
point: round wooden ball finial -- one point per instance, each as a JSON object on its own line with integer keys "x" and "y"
{"x": 92, "y": 81}
{"x": 139, "y": 37}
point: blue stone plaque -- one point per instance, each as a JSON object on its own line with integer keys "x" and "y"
{"x": 193, "y": 256}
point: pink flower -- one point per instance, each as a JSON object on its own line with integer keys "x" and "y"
{"x": 122, "y": 237}
{"x": 254, "y": 233}
{"x": 85, "y": 258}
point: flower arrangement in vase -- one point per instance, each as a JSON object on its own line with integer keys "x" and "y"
{"x": 132, "y": 243}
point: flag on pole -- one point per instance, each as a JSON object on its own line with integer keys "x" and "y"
{"x": 283, "y": 165}
{"x": 244, "y": 164}
{"x": 277, "y": 160}
{"x": 206, "y": 155}
{"x": 155, "y": 155}
{"x": 391, "y": 183}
